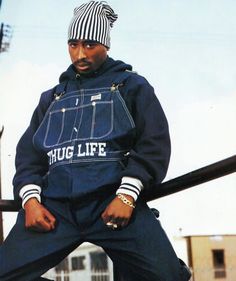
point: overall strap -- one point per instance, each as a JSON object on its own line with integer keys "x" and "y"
{"x": 121, "y": 77}
{"x": 48, "y": 97}
{"x": 59, "y": 89}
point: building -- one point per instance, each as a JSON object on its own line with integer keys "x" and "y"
{"x": 210, "y": 257}
{"x": 86, "y": 263}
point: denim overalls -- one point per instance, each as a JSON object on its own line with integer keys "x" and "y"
{"x": 87, "y": 135}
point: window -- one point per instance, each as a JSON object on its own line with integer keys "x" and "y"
{"x": 62, "y": 271}
{"x": 98, "y": 261}
{"x": 62, "y": 266}
{"x": 65, "y": 278}
{"x": 78, "y": 263}
{"x": 219, "y": 263}
{"x": 99, "y": 266}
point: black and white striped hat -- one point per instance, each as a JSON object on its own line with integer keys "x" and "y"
{"x": 92, "y": 21}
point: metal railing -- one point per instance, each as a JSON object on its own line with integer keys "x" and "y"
{"x": 196, "y": 177}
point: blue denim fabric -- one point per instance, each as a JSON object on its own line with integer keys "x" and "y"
{"x": 141, "y": 251}
{"x": 85, "y": 132}
{"x": 82, "y": 140}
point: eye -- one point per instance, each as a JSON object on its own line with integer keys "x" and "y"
{"x": 73, "y": 44}
{"x": 90, "y": 44}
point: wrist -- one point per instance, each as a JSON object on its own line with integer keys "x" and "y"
{"x": 31, "y": 202}
{"x": 125, "y": 199}
{"x": 30, "y": 191}
{"x": 129, "y": 197}
{"x": 130, "y": 187}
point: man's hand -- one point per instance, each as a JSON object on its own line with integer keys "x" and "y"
{"x": 37, "y": 217}
{"x": 118, "y": 212}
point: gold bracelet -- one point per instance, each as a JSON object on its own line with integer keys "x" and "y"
{"x": 125, "y": 200}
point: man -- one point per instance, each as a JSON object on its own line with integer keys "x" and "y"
{"x": 95, "y": 142}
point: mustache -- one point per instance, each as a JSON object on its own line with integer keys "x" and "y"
{"x": 82, "y": 62}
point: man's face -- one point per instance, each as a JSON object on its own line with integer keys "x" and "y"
{"x": 86, "y": 55}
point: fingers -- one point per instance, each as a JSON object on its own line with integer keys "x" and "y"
{"x": 42, "y": 220}
{"x": 50, "y": 219}
{"x": 123, "y": 222}
{"x": 46, "y": 222}
{"x": 117, "y": 224}
{"x": 105, "y": 217}
{"x": 114, "y": 219}
{"x": 42, "y": 225}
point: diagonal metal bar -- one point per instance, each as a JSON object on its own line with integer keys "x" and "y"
{"x": 196, "y": 177}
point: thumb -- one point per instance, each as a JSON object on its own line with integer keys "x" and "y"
{"x": 50, "y": 218}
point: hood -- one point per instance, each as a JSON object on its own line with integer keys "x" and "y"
{"x": 109, "y": 65}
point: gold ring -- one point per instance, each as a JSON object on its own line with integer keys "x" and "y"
{"x": 111, "y": 225}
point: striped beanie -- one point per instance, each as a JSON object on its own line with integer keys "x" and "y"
{"x": 92, "y": 21}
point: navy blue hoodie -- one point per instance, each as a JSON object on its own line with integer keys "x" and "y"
{"x": 89, "y": 132}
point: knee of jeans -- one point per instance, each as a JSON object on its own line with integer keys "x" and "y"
{"x": 185, "y": 271}
{"x": 155, "y": 274}
{"x": 185, "y": 274}
{"x": 178, "y": 273}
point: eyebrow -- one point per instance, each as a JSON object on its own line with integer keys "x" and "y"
{"x": 84, "y": 41}
{"x": 91, "y": 41}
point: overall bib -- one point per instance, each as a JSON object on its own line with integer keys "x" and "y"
{"x": 87, "y": 135}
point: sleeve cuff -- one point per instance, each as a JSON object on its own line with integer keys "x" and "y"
{"x": 30, "y": 191}
{"x": 130, "y": 186}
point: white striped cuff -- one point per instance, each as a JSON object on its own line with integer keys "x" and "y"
{"x": 130, "y": 186}
{"x": 30, "y": 191}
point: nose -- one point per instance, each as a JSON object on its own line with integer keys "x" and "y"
{"x": 80, "y": 52}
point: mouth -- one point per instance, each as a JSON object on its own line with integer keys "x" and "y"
{"x": 83, "y": 66}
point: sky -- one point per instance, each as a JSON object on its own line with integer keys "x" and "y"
{"x": 186, "y": 50}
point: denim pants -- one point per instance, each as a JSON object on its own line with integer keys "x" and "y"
{"x": 141, "y": 251}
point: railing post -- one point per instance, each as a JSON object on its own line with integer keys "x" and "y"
{"x": 1, "y": 221}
